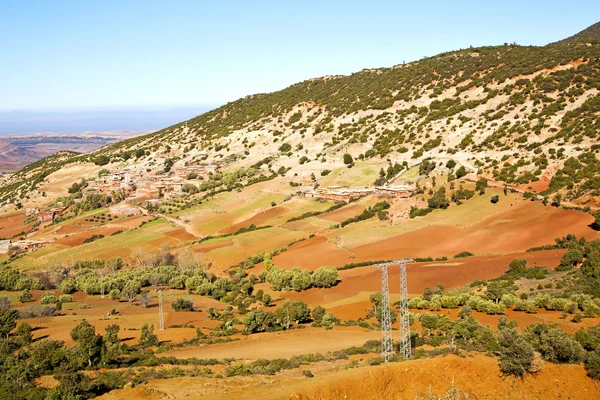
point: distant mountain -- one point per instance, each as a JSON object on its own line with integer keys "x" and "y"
{"x": 19, "y": 150}
{"x": 27, "y": 122}
{"x": 591, "y": 33}
{"x": 13, "y": 157}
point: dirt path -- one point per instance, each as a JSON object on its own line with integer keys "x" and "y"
{"x": 187, "y": 226}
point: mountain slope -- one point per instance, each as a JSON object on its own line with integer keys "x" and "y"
{"x": 591, "y": 33}
{"x": 513, "y": 113}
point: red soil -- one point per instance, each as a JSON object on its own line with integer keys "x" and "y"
{"x": 343, "y": 213}
{"x": 78, "y": 239}
{"x": 419, "y": 275}
{"x": 526, "y": 225}
{"x": 312, "y": 254}
{"x": 12, "y": 225}
{"x": 181, "y": 234}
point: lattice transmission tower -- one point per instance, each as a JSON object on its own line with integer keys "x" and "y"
{"x": 161, "y": 317}
{"x": 387, "y": 348}
{"x": 404, "y": 319}
{"x": 101, "y": 284}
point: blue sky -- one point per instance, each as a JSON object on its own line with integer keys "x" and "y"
{"x": 93, "y": 54}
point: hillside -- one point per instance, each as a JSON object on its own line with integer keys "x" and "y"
{"x": 237, "y": 254}
{"x": 14, "y": 157}
{"x": 591, "y": 33}
{"x": 516, "y": 114}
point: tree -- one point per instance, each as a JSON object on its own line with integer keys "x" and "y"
{"x": 5, "y": 303}
{"x": 101, "y": 160}
{"x": 111, "y": 342}
{"x": 147, "y": 336}
{"x": 571, "y": 258}
{"x": 460, "y": 172}
{"x": 376, "y": 299}
{"x": 89, "y": 345}
{"x": 317, "y": 314}
{"x": 25, "y": 296}
{"x": 325, "y": 277}
{"x": 182, "y": 304}
{"x": 348, "y": 159}
{"x": 480, "y": 185}
{"x": 592, "y": 364}
{"x": 258, "y": 321}
{"x": 130, "y": 290}
{"x": 554, "y": 344}
{"x": 68, "y": 285}
{"x": 7, "y": 321}
{"x": 439, "y": 200}
{"x": 494, "y": 291}
{"x": 296, "y": 311}
{"x": 48, "y": 298}
{"x": 302, "y": 279}
{"x": 114, "y": 294}
{"x": 596, "y": 223}
{"x": 556, "y": 200}
{"x": 266, "y": 299}
{"x": 24, "y": 334}
{"x": 46, "y": 355}
{"x": 516, "y": 354}
{"x": 145, "y": 298}
{"x": 495, "y": 198}
{"x": 329, "y": 320}
{"x": 517, "y": 266}
{"x": 465, "y": 312}
{"x": 74, "y": 188}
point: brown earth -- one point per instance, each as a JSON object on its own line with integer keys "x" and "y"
{"x": 345, "y": 296}
{"x": 181, "y": 234}
{"x": 283, "y": 344}
{"x": 259, "y": 219}
{"x": 477, "y": 376}
{"x": 79, "y": 238}
{"x": 343, "y": 213}
{"x": 11, "y": 225}
{"x": 526, "y": 225}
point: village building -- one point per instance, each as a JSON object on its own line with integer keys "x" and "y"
{"x": 29, "y": 212}
{"x": 200, "y": 170}
{"x": 397, "y": 191}
{"x": 46, "y": 216}
{"x": 123, "y": 210}
{"x": 23, "y": 246}
{"x": 335, "y": 193}
{"x": 4, "y": 246}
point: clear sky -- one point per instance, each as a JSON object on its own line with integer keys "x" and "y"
{"x": 91, "y": 53}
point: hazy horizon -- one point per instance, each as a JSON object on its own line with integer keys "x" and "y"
{"x": 89, "y": 119}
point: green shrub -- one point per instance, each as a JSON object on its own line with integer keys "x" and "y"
{"x": 182, "y": 304}
{"x": 516, "y": 354}
{"x": 48, "y": 298}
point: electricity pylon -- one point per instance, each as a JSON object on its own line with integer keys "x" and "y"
{"x": 161, "y": 317}
{"x": 101, "y": 284}
{"x": 404, "y": 319}
{"x": 387, "y": 349}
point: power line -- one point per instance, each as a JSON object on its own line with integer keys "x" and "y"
{"x": 161, "y": 317}
{"x": 404, "y": 319}
{"x": 387, "y": 349}
{"x": 101, "y": 284}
